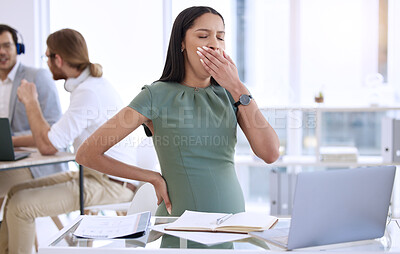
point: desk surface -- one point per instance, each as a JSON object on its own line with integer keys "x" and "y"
{"x": 36, "y": 159}
{"x": 65, "y": 242}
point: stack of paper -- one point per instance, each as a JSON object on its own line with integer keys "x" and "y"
{"x": 338, "y": 154}
{"x": 201, "y": 237}
{"x": 203, "y": 227}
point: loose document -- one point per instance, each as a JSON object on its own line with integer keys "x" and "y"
{"x": 105, "y": 227}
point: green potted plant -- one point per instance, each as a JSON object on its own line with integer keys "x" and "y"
{"x": 319, "y": 98}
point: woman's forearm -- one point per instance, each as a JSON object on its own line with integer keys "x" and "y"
{"x": 105, "y": 164}
{"x": 262, "y": 137}
{"x": 110, "y": 166}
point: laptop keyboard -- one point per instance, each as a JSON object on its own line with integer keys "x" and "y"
{"x": 21, "y": 155}
{"x": 280, "y": 239}
{"x": 279, "y": 235}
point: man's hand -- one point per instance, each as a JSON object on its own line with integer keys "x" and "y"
{"x": 27, "y": 92}
{"x": 28, "y": 95}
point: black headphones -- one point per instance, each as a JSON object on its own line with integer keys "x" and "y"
{"x": 20, "y": 45}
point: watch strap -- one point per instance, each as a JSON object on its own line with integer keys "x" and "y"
{"x": 236, "y": 104}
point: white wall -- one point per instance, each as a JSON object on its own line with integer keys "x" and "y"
{"x": 125, "y": 37}
{"x": 25, "y": 16}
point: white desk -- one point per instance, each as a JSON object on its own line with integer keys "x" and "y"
{"x": 64, "y": 242}
{"x": 36, "y": 159}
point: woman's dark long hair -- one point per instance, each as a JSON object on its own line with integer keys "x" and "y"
{"x": 174, "y": 68}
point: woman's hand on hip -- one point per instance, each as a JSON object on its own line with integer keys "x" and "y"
{"x": 160, "y": 187}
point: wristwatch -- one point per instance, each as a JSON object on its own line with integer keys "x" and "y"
{"x": 244, "y": 100}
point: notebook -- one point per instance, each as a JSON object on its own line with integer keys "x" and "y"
{"x": 240, "y": 223}
{"x": 7, "y": 152}
{"x": 336, "y": 206}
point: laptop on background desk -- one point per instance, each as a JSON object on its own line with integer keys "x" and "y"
{"x": 7, "y": 152}
{"x": 336, "y": 206}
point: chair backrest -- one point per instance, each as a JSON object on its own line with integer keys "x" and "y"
{"x": 145, "y": 199}
{"x": 146, "y": 156}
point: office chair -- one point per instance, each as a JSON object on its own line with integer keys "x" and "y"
{"x": 146, "y": 158}
{"x": 144, "y": 200}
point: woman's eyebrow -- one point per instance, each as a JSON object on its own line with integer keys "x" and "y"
{"x": 208, "y": 30}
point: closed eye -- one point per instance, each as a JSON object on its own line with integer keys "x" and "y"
{"x": 205, "y": 37}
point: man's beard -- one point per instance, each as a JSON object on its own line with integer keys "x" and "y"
{"x": 57, "y": 73}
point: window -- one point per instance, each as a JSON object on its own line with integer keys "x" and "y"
{"x": 295, "y": 49}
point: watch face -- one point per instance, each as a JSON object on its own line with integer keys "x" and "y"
{"x": 244, "y": 99}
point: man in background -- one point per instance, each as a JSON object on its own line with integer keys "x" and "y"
{"x": 93, "y": 101}
{"x": 12, "y": 72}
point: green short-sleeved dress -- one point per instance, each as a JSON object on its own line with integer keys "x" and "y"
{"x": 194, "y": 137}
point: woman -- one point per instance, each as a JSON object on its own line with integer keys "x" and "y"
{"x": 192, "y": 112}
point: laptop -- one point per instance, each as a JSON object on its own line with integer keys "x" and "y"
{"x": 336, "y": 206}
{"x": 7, "y": 152}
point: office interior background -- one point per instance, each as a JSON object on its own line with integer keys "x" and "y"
{"x": 287, "y": 52}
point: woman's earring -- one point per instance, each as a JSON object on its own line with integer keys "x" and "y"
{"x": 182, "y": 50}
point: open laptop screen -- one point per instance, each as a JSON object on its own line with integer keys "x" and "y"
{"x": 340, "y": 206}
{"x": 336, "y": 206}
{"x": 6, "y": 145}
